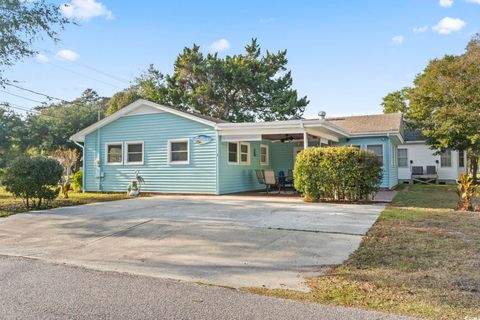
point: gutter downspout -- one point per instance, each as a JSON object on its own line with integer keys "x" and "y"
{"x": 83, "y": 164}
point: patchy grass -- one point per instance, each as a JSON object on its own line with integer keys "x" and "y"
{"x": 10, "y": 205}
{"x": 421, "y": 258}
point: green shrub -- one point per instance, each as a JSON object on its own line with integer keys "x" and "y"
{"x": 2, "y": 172}
{"x": 78, "y": 181}
{"x": 337, "y": 173}
{"x": 34, "y": 180}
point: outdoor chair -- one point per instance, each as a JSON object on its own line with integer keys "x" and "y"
{"x": 418, "y": 175}
{"x": 270, "y": 180}
{"x": 260, "y": 176}
{"x": 285, "y": 181}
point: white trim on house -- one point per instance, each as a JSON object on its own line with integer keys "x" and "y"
{"x": 267, "y": 155}
{"x": 107, "y": 144}
{"x": 126, "y": 144}
{"x": 169, "y": 153}
{"x": 80, "y": 136}
{"x": 247, "y": 153}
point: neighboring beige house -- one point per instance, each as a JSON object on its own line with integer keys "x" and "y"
{"x": 415, "y": 152}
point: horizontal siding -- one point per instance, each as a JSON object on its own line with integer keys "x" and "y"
{"x": 239, "y": 178}
{"x": 363, "y": 142}
{"x": 154, "y": 130}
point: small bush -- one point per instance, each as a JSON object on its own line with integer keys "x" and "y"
{"x": 337, "y": 173}
{"x": 77, "y": 181}
{"x": 2, "y": 172}
{"x": 34, "y": 180}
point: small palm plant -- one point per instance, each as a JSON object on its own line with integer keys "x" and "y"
{"x": 468, "y": 193}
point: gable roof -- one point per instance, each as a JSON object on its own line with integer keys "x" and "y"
{"x": 377, "y": 123}
{"x": 80, "y": 136}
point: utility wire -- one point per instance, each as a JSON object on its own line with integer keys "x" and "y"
{"x": 49, "y": 97}
{"x": 22, "y": 97}
{"x": 85, "y": 76}
{"x": 102, "y": 72}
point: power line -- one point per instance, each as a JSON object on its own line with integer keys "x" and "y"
{"x": 22, "y": 97}
{"x": 82, "y": 75}
{"x": 102, "y": 72}
{"x": 49, "y": 97}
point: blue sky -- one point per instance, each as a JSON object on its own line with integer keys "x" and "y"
{"x": 344, "y": 55}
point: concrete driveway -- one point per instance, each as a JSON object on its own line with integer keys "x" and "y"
{"x": 227, "y": 240}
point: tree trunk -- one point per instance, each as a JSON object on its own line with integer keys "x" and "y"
{"x": 474, "y": 168}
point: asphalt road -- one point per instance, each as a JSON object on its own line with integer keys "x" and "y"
{"x": 34, "y": 289}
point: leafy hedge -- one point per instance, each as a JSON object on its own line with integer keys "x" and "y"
{"x": 34, "y": 180}
{"x": 337, "y": 173}
{"x": 78, "y": 181}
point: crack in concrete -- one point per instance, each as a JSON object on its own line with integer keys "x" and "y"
{"x": 116, "y": 232}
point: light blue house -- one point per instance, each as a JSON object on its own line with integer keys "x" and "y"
{"x": 180, "y": 152}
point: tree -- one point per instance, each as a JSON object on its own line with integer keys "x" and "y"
{"x": 12, "y": 133}
{"x": 396, "y": 101}
{"x": 237, "y": 88}
{"x": 445, "y": 102}
{"x": 22, "y": 23}
{"x": 67, "y": 158}
{"x": 121, "y": 99}
{"x": 53, "y": 125}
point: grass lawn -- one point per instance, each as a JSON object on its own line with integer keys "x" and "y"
{"x": 9, "y": 205}
{"x": 421, "y": 258}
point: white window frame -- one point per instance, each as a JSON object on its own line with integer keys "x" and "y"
{"x": 398, "y": 153}
{"x": 169, "y": 151}
{"x": 451, "y": 160}
{"x": 228, "y": 153}
{"x": 126, "y": 152}
{"x": 240, "y": 153}
{"x": 267, "y": 155}
{"x": 383, "y": 151}
{"x": 121, "y": 153}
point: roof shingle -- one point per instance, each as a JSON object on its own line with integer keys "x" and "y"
{"x": 369, "y": 123}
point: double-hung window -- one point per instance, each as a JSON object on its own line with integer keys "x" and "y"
{"x": 114, "y": 153}
{"x": 378, "y": 150}
{"x": 179, "y": 151}
{"x": 244, "y": 153}
{"x": 264, "y": 155}
{"x": 232, "y": 152}
{"x": 402, "y": 158}
{"x": 446, "y": 158}
{"x": 134, "y": 152}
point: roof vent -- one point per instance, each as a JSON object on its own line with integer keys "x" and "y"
{"x": 322, "y": 115}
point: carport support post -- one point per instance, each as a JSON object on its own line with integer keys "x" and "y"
{"x": 305, "y": 140}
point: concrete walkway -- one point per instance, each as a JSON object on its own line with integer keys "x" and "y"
{"x": 228, "y": 240}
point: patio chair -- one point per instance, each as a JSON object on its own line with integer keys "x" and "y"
{"x": 270, "y": 180}
{"x": 260, "y": 176}
{"x": 285, "y": 181}
{"x": 417, "y": 173}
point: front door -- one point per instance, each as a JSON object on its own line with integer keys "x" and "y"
{"x": 296, "y": 150}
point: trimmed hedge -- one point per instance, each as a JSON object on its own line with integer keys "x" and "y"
{"x": 337, "y": 173}
{"x": 34, "y": 180}
{"x": 78, "y": 181}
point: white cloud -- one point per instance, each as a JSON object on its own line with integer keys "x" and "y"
{"x": 398, "y": 40}
{"x": 41, "y": 58}
{"x": 448, "y": 25}
{"x": 474, "y": 1}
{"x": 445, "y": 3}
{"x": 85, "y": 10}
{"x": 219, "y": 45}
{"x": 420, "y": 29}
{"x": 66, "y": 54}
